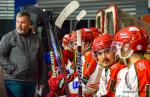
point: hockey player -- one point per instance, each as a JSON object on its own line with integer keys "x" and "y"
{"x": 68, "y": 54}
{"x": 134, "y": 80}
{"x": 69, "y": 42}
{"x": 68, "y": 58}
{"x": 87, "y": 39}
{"x": 109, "y": 64}
{"x": 89, "y": 63}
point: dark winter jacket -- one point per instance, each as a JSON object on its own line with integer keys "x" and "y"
{"x": 22, "y": 57}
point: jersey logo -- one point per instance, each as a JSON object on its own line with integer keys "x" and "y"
{"x": 141, "y": 66}
{"x": 75, "y": 84}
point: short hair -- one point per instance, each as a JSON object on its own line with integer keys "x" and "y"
{"x": 23, "y": 13}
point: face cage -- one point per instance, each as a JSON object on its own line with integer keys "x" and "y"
{"x": 119, "y": 47}
{"x": 73, "y": 44}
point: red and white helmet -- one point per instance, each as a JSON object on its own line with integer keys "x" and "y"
{"x": 66, "y": 39}
{"x": 95, "y": 31}
{"x": 86, "y": 34}
{"x": 73, "y": 37}
{"x": 102, "y": 42}
{"x": 135, "y": 36}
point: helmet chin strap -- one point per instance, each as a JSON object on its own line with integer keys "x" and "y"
{"x": 88, "y": 48}
{"x": 124, "y": 58}
{"x": 116, "y": 58}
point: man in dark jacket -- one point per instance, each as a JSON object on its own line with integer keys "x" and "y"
{"x": 21, "y": 55}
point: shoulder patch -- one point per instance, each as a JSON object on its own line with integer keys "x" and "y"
{"x": 141, "y": 65}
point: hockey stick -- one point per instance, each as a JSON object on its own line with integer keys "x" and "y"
{"x": 67, "y": 11}
{"x": 73, "y": 4}
{"x": 45, "y": 20}
{"x": 80, "y": 16}
{"x": 79, "y": 62}
{"x": 79, "y": 55}
{"x": 71, "y": 7}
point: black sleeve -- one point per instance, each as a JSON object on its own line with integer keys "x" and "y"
{"x": 42, "y": 66}
{"x": 5, "y": 49}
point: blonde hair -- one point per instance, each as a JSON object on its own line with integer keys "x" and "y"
{"x": 23, "y": 13}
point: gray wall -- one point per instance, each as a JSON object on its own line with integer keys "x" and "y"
{"x": 6, "y": 9}
{"x": 134, "y": 7}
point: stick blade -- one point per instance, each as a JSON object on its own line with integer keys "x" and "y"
{"x": 71, "y": 7}
{"x": 81, "y": 15}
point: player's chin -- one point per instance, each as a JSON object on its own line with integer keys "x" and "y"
{"x": 105, "y": 65}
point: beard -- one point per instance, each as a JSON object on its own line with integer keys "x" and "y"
{"x": 21, "y": 31}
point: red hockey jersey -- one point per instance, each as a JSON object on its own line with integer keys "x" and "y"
{"x": 134, "y": 81}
